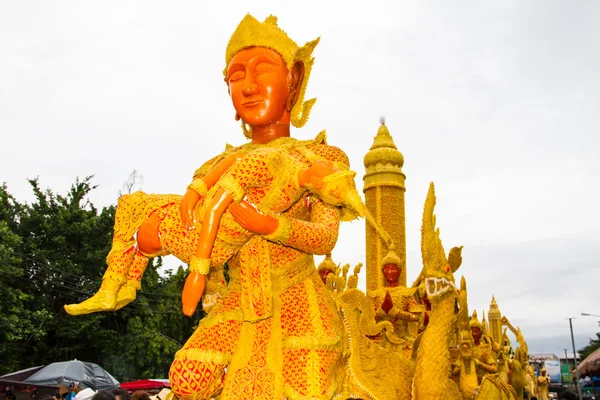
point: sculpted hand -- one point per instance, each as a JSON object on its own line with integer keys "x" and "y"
{"x": 251, "y": 219}
{"x": 192, "y": 292}
{"x": 315, "y": 173}
{"x": 186, "y": 208}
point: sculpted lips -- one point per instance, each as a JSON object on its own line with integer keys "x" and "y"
{"x": 250, "y": 103}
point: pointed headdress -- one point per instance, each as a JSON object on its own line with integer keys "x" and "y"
{"x": 474, "y": 322}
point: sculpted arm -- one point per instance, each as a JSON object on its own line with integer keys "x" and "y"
{"x": 408, "y": 316}
{"x": 317, "y": 236}
{"x": 204, "y": 179}
{"x": 489, "y": 366}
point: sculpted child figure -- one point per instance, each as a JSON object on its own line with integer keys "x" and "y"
{"x": 273, "y": 173}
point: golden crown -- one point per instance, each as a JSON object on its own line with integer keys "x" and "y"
{"x": 327, "y": 263}
{"x": 391, "y": 258}
{"x": 474, "y": 322}
{"x": 252, "y": 33}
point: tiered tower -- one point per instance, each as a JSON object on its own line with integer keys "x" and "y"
{"x": 384, "y": 196}
{"x": 484, "y": 322}
{"x": 495, "y": 321}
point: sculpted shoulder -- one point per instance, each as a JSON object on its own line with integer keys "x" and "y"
{"x": 208, "y": 165}
{"x": 330, "y": 153}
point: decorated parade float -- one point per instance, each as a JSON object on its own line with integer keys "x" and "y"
{"x": 279, "y": 326}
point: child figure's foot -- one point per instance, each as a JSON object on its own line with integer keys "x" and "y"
{"x": 125, "y": 296}
{"x": 105, "y": 299}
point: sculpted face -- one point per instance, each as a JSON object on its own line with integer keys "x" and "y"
{"x": 391, "y": 272}
{"x": 323, "y": 273}
{"x": 258, "y": 85}
{"x": 476, "y": 333}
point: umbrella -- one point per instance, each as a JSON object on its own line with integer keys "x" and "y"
{"x": 22, "y": 374}
{"x": 85, "y": 374}
{"x": 145, "y": 384}
{"x": 590, "y": 364}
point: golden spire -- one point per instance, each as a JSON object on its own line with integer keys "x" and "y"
{"x": 493, "y": 307}
{"x": 484, "y": 323}
{"x": 495, "y": 321}
{"x": 384, "y": 197}
{"x": 383, "y": 155}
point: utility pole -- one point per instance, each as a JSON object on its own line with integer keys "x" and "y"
{"x": 566, "y": 361}
{"x": 574, "y": 357}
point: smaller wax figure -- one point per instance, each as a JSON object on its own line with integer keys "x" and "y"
{"x": 399, "y": 305}
{"x": 396, "y": 305}
{"x": 485, "y": 357}
{"x": 543, "y": 385}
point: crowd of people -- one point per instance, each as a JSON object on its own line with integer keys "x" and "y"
{"x": 75, "y": 392}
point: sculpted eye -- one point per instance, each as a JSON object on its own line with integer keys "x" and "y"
{"x": 264, "y": 67}
{"x": 236, "y": 76}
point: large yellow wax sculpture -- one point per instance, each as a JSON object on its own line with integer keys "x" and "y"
{"x": 280, "y": 328}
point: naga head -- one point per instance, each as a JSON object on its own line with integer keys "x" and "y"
{"x": 438, "y": 271}
{"x": 334, "y": 184}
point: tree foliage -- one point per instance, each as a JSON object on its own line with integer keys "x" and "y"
{"x": 590, "y": 348}
{"x": 52, "y": 253}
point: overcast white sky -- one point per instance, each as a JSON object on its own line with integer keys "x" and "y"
{"x": 497, "y": 102}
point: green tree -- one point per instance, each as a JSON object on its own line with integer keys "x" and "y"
{"x": 590, "y": 348}
{"x": 52, "y": 252}
{"x": 19, "y": 321}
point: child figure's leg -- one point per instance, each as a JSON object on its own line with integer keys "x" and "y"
{"x": 119, "y": 260}
{"x": 149, "y": 245}
{"x": 127, "y": 293}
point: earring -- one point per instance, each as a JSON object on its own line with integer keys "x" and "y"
{"x": 247, "y": 130}
{"x": 237, "y": 117}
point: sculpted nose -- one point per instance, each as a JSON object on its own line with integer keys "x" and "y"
{"x": 249, "y": 89}
{"x": 250, "y": 86}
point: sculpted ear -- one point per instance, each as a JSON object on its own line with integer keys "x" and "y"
{"x": 295, "y": 78}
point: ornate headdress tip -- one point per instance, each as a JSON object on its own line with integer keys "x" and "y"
{"x": 271, "y": 20}
{"x": 382, "y": 120}
{"x": 475, "y": 324}
{"x": 327, "y": 263}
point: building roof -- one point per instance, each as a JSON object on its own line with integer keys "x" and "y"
{"x": 542, "y": 356}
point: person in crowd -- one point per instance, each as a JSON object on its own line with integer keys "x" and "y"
{"x": 120, "y": 393}
{"x": 85, "y": 394}
{"x": 53, "y": 396}
{"x": 103, "y": 395}
{"x": 140, "y": 395}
